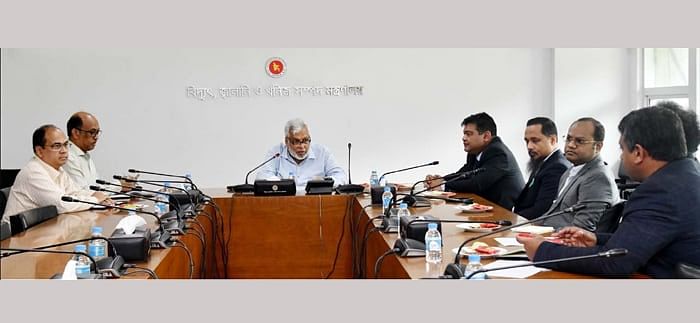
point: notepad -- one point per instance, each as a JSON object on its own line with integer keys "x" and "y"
{"x": 520, "y": 272}
{"x": 534, "y": 229}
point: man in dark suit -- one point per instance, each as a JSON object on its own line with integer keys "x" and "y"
{"x": 546, "y": 166}
{"x": 500, "y": 180}
{"x": 660, "y": 225}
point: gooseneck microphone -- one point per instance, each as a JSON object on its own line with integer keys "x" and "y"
{"x": 189, "y": 180}
{"x": 159, "y": 239}
{"x": 108, "y": 266}
{"x": 350, "y": 188}
{"x": 456, "y": 270}
{"x": 413, "y": 199}
{"x": 23, "y": 250}
{"x": 618, "y": 252}
{"x": 247, "y": 188}
{"x": 159, "y": 184}
{"x": 409, "y": 168}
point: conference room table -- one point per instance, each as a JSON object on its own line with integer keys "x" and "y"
{"x": 310, "y": 237}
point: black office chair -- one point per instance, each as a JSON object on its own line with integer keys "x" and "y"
{"x": 624, "y": 183}
{"x": 7, "y": 177}
{"x": 611, "y": 218}
{"x": 27, "y": 219}
{"x": 687, "y": 271}
{"x": 3, "y": 200}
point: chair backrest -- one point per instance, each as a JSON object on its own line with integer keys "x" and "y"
{"x": 3, "y": 200}
{"x": 7, "y": 177}
{"x": 611, "y": 218}
{"x": 687, "y": 271}
{"x": 27, "y": 219}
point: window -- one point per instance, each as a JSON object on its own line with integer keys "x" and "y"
{"x": 670, "y": 74}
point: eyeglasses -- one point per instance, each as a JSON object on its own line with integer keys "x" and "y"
{"x": 57, "y": 146}
{"x": 577, "y": 141}
{"x": 297, "y": 142}
{"x": 94, "y": 133}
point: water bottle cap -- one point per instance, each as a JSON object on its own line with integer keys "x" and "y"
{"x": 374, "y": 172}
{"x": 132, "y": 212}
{"x": 387, "y": 189}
{"x": 97, "y": 230}
{"x": 403, "y": 206}
{"x": 80, "y": 248}
{"x": 166, "y": 184}
{"x": 432, "y": 226}
{"x": 474, "y": 258}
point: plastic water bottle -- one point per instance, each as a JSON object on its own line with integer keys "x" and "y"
{"x": 187, "y": 185}
{"x": 163, "y": 205}
{"x": 291, "y": 176}
{"x": 82, "y": 267}
{"x": 403, "y": 212}
{"x": 374, "y": 179}
{"x": 433, "y": 244}
{"x": 97, "y": 248}
{"x": 474, "y": 265}
{"x": 386, "y": 199}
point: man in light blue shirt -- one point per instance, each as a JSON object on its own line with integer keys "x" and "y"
{"x": 301, "y": 159}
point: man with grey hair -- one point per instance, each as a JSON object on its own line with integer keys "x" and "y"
{"x": 301, "y": 159}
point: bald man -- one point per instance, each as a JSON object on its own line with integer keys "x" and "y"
{"x": 83, "y": 132}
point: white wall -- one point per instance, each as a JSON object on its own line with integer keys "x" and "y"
{"x": 594, "y": 83}
{"x": 410, "y": 113}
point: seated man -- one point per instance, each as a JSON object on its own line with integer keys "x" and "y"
{"x": 691, "y": 128}
{"x": 301, "y": 159}
{"x": 546, "y": 166}
{"x": 83, "y": 132}
{"x": 43, "y": 181}
{"x": 660, "y": 226}
{"x": 500, "y": 181}
{"x": 588, "y": 182}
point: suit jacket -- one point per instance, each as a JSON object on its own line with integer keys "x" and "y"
{"x": 660, "y": 228}
{"x": 500, "y": 181}
{"x": 541, "y": 189}
{"x": 593, "y": 186}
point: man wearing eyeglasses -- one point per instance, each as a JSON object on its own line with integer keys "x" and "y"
{"x": 301, "y": 159}
{"x": 42, "y": 182}
{"x": 83, "y": 131}
{"x": 588, "y": 182}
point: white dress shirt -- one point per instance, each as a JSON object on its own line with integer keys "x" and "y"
{"x": 574, "y": 171}
{"x": 80, "y": 167}
{"x": 38, "y": 184}
{"x": 319, "y": 163}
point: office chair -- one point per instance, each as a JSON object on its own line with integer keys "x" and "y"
{"x": 3, "y": 200}
{"x": 624, "y": 183}
{"x": 611, "y": 218}
{"x": 7, "y": 177}
{"x": 27, "y": 219}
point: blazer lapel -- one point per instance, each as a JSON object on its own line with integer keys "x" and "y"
{"x": 583, "y": 171}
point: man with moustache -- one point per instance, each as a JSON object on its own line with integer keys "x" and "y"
{"x": 588, "y": 182}
{"x": 500, "y": 180}
{"x": 546, "y": 165}
{"x": 301, "y": 159}
{"x": 42, "y": 182}
{"x": 660, "y": 227}
{"x": 83, "y": 131}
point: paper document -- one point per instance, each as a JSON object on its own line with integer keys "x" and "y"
{"x": 508, "y": 242}
{"x": 520, "y": 272}
{"x": 534, "y": 229}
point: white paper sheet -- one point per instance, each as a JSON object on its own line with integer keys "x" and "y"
{"x": 534, "y": 229}
{"x": 508, "y": 242}
{"x": 521, "y": 272}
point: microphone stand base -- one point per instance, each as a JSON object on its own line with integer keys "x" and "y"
{"x": 454, "y": 271}
{"x": 350, "y": 189}
{"x": 175, "y": 228}
{"x": 161, "y": 240}
{"x": 390, "y": 225}
{"x": 242, "y": 188}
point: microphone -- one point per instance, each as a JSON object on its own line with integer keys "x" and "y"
{"x": 157, "y": 183}
{"x": 179, "y": 228}
{"x": 409, "y": 168}
{"x": 247, "y": 188}
{"x": 456, "y": 270}
{"x": 189, "y": 180}
{"x": 23, "y": 250}
{"x": 159, "y": 240}
{"x": 110, "y": 267}
{"x": 349, "y": 188}
{"x": 412, "y": 240}
{"x": 412, "y": 199}
{"x": 618, "y": 252}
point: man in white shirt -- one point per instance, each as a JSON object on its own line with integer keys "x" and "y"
{"x": 43, "y": 181}
{"x": 83, "y": 132}
{"x": 301, "y": 159}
